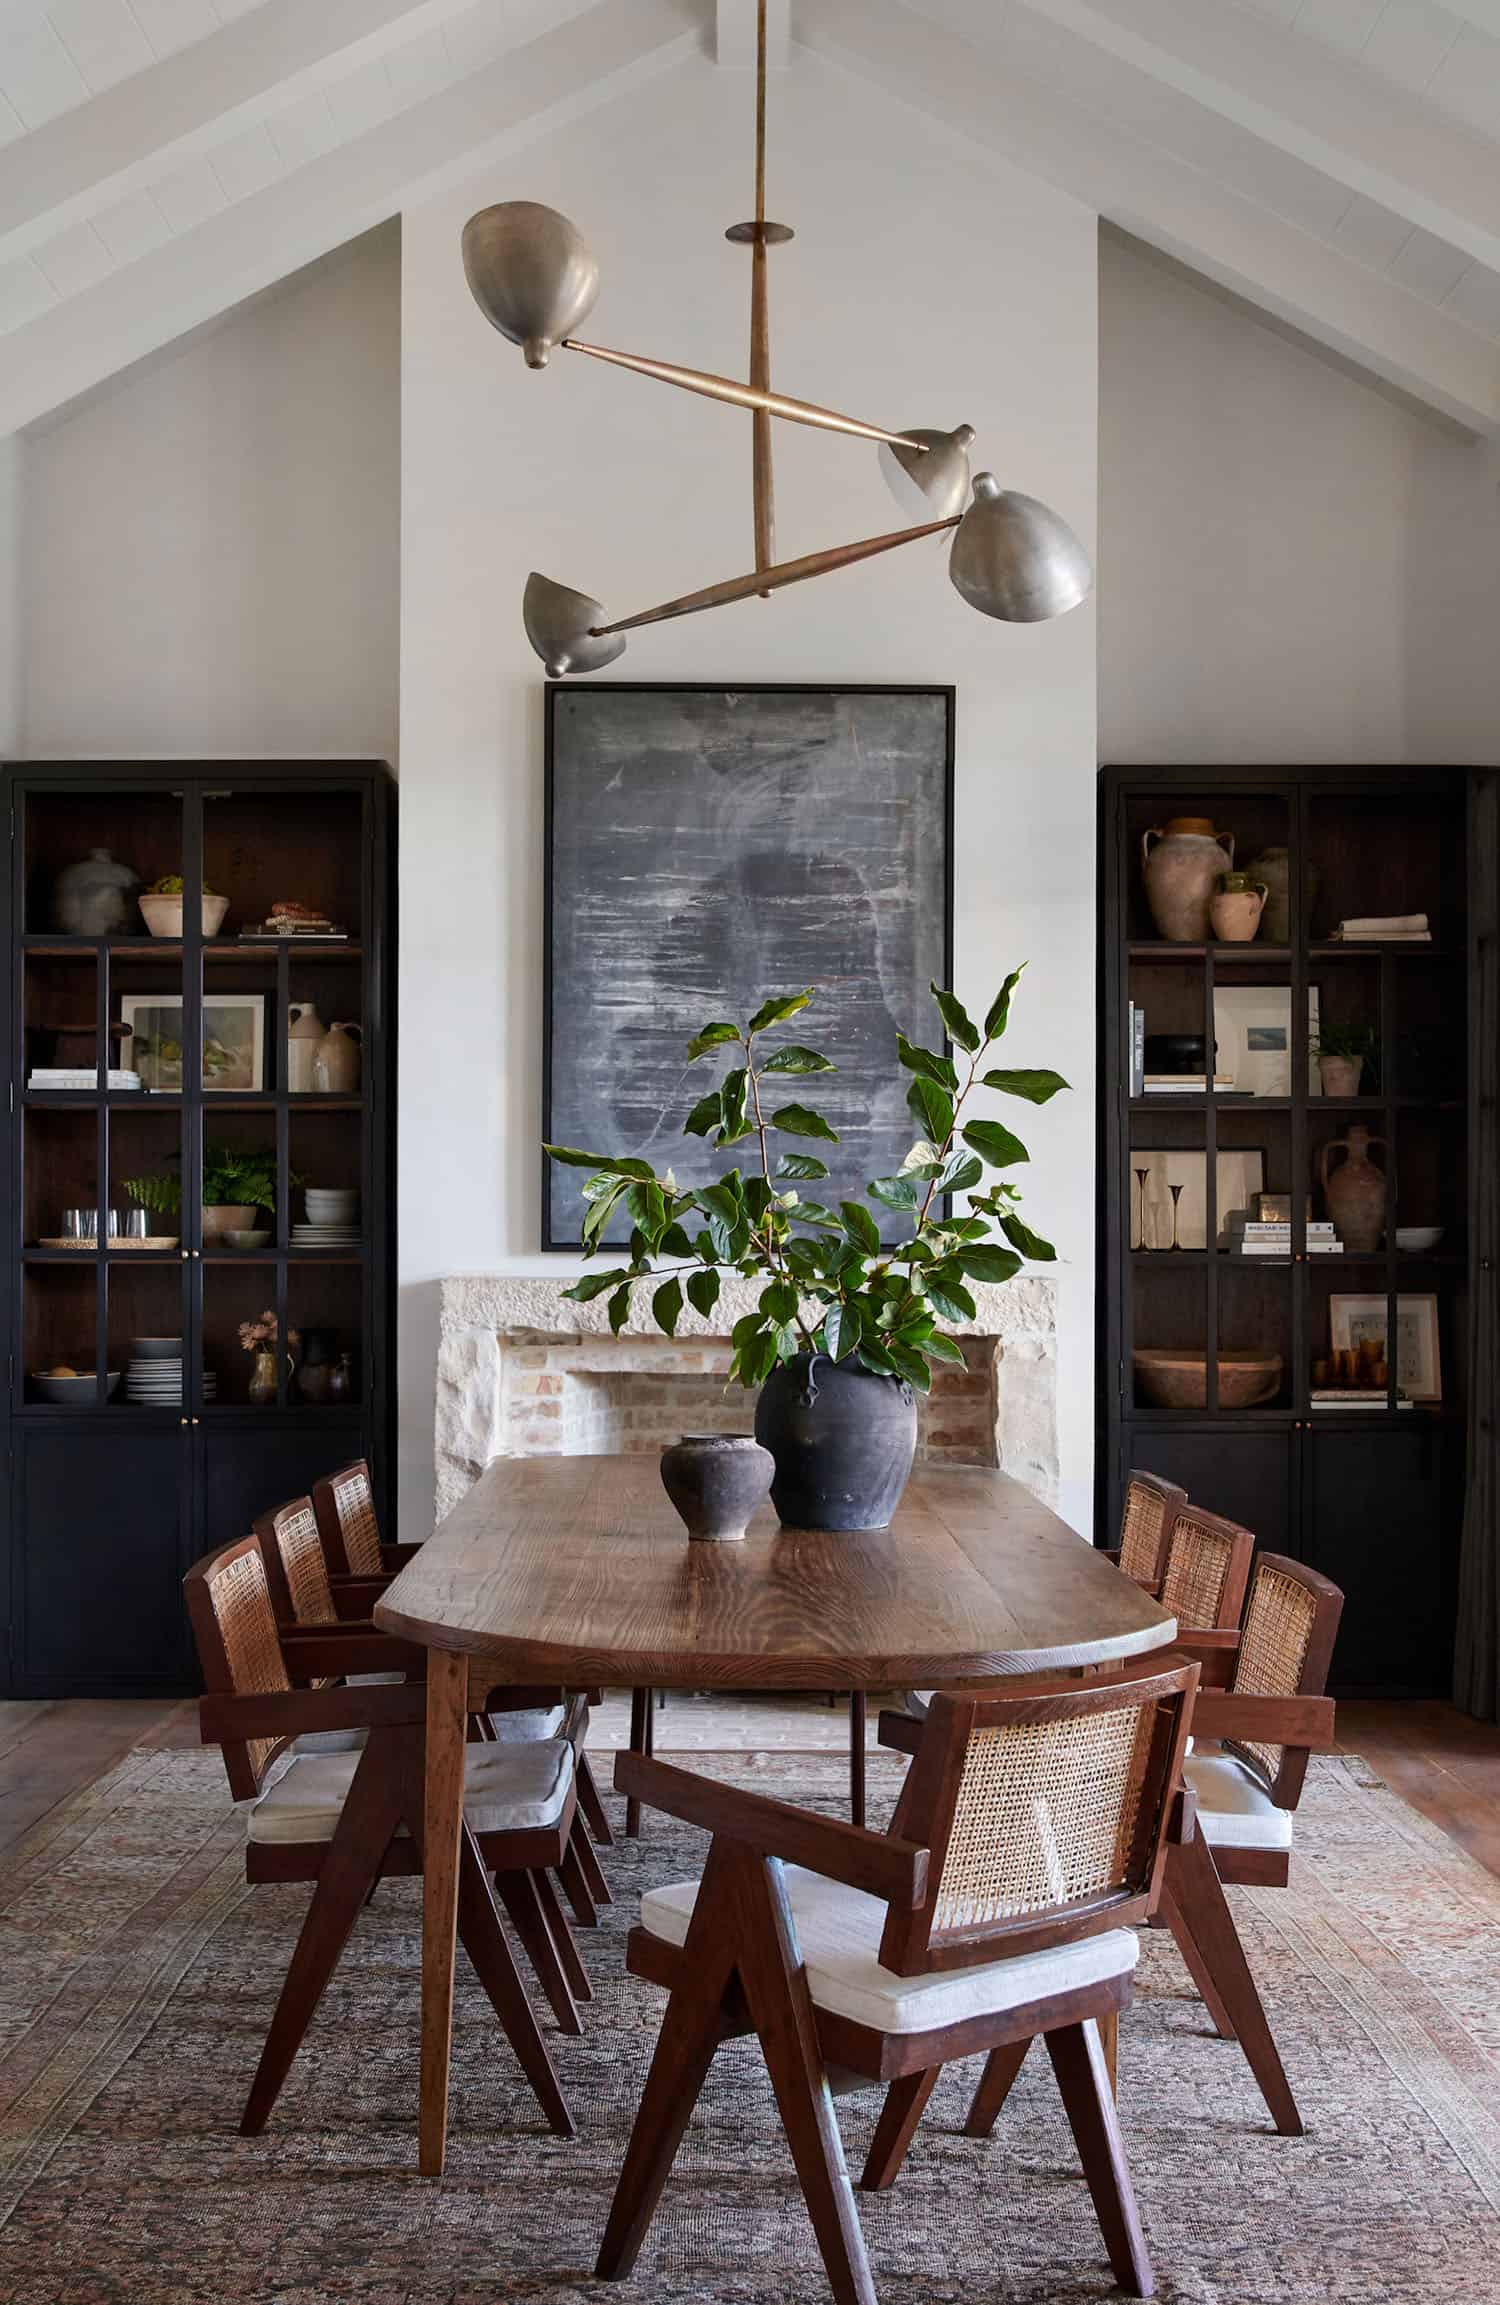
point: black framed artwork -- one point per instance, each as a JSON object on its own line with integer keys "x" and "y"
{"x": 707, "y": 846}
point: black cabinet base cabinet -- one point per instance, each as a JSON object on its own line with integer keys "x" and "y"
{"x": 1246, "y": 1299}
{"x": 138, "y": 1431}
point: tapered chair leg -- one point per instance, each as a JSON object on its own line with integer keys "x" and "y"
{"x": 576, "y": 1889}
{"x": 1000, "y": 2070}
{"x": 484, "y": 1941}
{"x": 640, "y": 1730}
{"x": 370, "y": 1815}
{"x": 858, "y": 1714}
{"x": 1082, "y": 2076}
{"x": 588, "y": 1864}
{"x": 518, "y": 1894}
{"x": 1194, "y": 1902}
{"x": 591, "y": 1801}
{"x": 562, "y": 1937}
{"x": 900, "y": 2116}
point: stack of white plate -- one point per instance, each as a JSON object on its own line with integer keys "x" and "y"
{"x": 153, "y": 1379}
{"x": 332, "y": 1218}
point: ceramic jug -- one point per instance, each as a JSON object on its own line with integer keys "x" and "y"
{"x": 1274, "y": 867}
{"x": 1181, "y": 873}
{"x": 338, "y": 1060}
{"x": 1235, "y": 907}
{"x": 1355, "y": 1192}
{"x": 305, "y": 1029}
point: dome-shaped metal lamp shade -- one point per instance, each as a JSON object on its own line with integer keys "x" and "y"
{"x": 531, "y": 274}
{"x": 558, "y": 625}
{"x": 929, "y": 479}
{"x": 1014, "y": 558}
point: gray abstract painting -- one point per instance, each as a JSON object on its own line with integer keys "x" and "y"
{"x": 707, "y": 847}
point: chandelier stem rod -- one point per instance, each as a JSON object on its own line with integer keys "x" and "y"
{"x": 739, "y": 395}
{"x": 762, "y": 462}
{"x": 768, "y": 580}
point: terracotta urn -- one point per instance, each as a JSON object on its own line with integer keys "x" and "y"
{"x": 1181, "y": 873}
{"x": 1235, "y": 907}
{"x": 1355, "y": 1191}
{"x": 1341, "y": 1075}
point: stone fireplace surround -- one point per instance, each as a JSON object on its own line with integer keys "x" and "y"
{"x": 523, "y": 1371}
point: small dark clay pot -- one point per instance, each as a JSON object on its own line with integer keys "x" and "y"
{"x": 843, "y": 1439}
{"x": 716, "y": 1481}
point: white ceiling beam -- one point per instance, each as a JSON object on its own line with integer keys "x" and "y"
{"x": 1306, "y": 100}
{"x": 98, "y": 151}
{"x": 524, "y": 94}
{"x": 1422, "y": 351}
{"x": 735, "y": 34}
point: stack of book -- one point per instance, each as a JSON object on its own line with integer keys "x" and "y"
{"x": 291, "y": 919}
{"x": 1189, "y": 1084}
{"x": 1247, "y": 1236}
{"x": 49, "y": 1078}
{"x": 1352, "y": 1397}
{"x": 1386, "y": 928}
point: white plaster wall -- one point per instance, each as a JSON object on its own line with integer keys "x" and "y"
{"x": 212, "y": 552}
{"x": 11, "y": 662}
{"x": 926, "y": 285}
{"x": 1293, "y": 566}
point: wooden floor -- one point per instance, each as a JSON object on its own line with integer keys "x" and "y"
{"x": 1445, "y": 1764}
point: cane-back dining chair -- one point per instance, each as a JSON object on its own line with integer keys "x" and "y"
{"x": 1030, "y": 1834}
{"x": 308, "y": 1602}
{"x": 1205, "y": 1569}
{"x": 1146, "y": 1523}
{"x": 343, "y": 1821}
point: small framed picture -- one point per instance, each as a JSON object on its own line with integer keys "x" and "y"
{"x": 234, "y": 1041}
{"x": 1253, "y": 1038}
{"x": 1354, "y": 1321}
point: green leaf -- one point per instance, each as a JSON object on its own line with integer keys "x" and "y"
{"x": 795, "y": 1059}
{"x": 909, "y": 1363}
{"x": 799, "y": 1168}
{"x": 995, "y": 1142}
{"x": 860, "y": 1226}
{"x": 666, "y": 1305}
{"x": 573, "y": 1159}
{"x": 779, "y": 1301}
{"x": 988, "y": 1264}
{"x": 1035, "y": 1087}
{"x": 619, "y": 1309}
{"x": 950, "y": 1299}
{"x": 594, "y": 1285}
{"x": 840, "y": 1331}
{"x": 894, "y": 1192}
{"x": 959, "y": 1024}
{"x": 924, "y": 1160}
{"x": 933, "y": 1107}
{"x": 674, "y": 1243}
{"x": 875, "y": 1356}
{"x": 1029, "y": 1243}
{"x": 941, "y": 1348}
{"x": 649, "y": 1209}
{"x": 778, "y": 1007}
{"x": 706, "y": 1115}
{"x": 732, "y": 1093}
{"x": 927, "y": 1062}
{"x": 758, "y": 1198}
{"x": 959, "y": 1171}
{"x": 747, "y": 1326}
{"x": 801, "y": 1120}
{"x": 719, "y": 1200}
{"x": 712, "y": 1036}
{"x": 998, "y": 1015}
{"x": 703, "y": 1292}
{"x": 814, "y": 1213}
{"x": 601, "y": 1207}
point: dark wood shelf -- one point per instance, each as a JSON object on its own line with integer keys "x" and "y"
{"x": 1326, "y": 948}
{"x": 128, "y": 948}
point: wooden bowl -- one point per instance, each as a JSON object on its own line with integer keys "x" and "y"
{"x": 1179, "y": 1380}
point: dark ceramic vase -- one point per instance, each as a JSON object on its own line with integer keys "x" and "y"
{"x": 715, "y": 1482}
{"x": 843, "y": 1439}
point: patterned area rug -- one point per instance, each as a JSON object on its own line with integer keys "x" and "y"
{"x": 137, "y": 1976}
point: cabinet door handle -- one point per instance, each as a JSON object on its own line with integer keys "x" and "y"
{"x": 195, "y": 1420}
{"x": 182, "y": 1420}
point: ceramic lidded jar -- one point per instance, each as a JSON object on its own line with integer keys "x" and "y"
{"x": 1235, "y": 907}
{"x": 1181, "y": 873}
{"x": 716, "y": 1481}
{"x": 1356, "y": 1190}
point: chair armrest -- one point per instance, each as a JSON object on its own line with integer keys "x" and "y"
{"x": 1215, "y": 1651}
{"x": 1182, "y": 1820}
{"x": 395, "y": 1557}
{"x": 901, "y": 1731}
{"x": 355, "y": 1597}
{"x": 225, "y": 1719}
{"x": 1304, "y": 1721}
{"x": 314, "y": 1652}
{"x": 894, "y": 1870}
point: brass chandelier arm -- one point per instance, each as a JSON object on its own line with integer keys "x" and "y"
{"x": 768, "y": 580}
{"x": 739, "y": 395}
{"x": 762, "y": 473}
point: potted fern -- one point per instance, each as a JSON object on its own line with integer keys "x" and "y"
{"x": 848, "y": 1326}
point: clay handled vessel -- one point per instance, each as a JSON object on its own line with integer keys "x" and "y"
{"x": 1235, "y": 907}
{"x": 1355, "y": 1191}
{"x": 337, "y": 1061}
{"x": 843, "y": 1439}
{"x": 1181, "y": 874}
{"x": 716, "y": 1481}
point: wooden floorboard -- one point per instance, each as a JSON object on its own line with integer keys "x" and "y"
{"x": 67, "y": 1746}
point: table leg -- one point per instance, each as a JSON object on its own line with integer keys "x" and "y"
{"x": 640, "y": 1742}
{"x": 858, "y": 1712}
{"x": 443, "y": 1809}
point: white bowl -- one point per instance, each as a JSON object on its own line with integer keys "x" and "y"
{"x": 1415, "y": 1238}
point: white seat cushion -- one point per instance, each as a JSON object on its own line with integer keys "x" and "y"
{"x": 1234, "y": 1809}
{"x": 839, "y": 1930}
{"x": 331, "y": 1741}
{"x": 507, "y": 1788}
{"x": 531, "y": 1721}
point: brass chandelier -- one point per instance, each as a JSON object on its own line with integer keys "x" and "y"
{"x": 534, "y": 279}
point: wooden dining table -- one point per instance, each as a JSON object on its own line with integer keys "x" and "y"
{"x": 575, "y": 1571}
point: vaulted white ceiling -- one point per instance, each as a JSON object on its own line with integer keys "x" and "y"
{"x": 1336, "y": 162}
